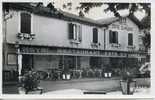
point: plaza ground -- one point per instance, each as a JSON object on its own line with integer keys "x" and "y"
{"x": 94, "y": 84}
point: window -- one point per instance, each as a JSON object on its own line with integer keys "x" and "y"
{"x": 123, "y": 20}
{"x": 113, "y": 37}
{"x": 25, "y": 23}
{"x": 12, "y": 59}
{"x": 75, "y": 32}
{"x": 130, "y": 39}
{"x": 95, "y": 35}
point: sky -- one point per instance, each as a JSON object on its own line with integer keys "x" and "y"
{"x": 95, "y": 13}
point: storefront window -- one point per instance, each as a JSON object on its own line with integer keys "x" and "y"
{"x": 95, "y": 62}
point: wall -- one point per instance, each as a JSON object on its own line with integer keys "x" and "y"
{"x": 123, "y": 35}
{"x": 51, "y": 32}
{"x": 54, "y": 32}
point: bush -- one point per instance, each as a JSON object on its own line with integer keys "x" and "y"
{"x": 30, "y": 80}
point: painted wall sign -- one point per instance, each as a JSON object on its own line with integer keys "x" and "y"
{"x": 121, "y": 27}
{"x": 72, "y": 51}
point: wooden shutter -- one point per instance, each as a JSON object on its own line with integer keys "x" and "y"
{"x": 130, "y": 39}
{"x": 95, "y": 35}
{"x": 80, "y": 33}
{"x": 71, "y": 30}
{"x": 110, "y": 36}
{"x": 116, "y": 37}
{"x": 25, "y": 23}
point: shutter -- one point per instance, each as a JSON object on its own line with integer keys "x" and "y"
{"x": 95, "y": 35}
{"x": 71, "y": 31}
{"x": 130, "y": 39}
{"x": 25, "y": 23}
{"x": 110, "y": 36}
{"x": 80, "y": 33}
{"x": 116, "y": 37}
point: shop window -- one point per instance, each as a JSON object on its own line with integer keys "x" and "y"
{"x": 95, "y": 62}
{"x": 113, "y": 37}
{"x": 75, "y": 32}
{"x": 25, "y": 23}
{"x": 95, "y": 35}
{"x": 130, "y": 39}
{"x": 12, "y": 59}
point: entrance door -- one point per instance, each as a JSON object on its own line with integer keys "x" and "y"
{"x": 27, "y": 62}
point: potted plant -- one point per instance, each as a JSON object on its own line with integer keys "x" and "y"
{"x": 127, "y": 83}
{"x": 107, "y": 72}
{"x": 66, "y": 75}
{"x": 28, "y": 82}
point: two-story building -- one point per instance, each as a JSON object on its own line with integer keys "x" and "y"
{"x": 42, "y": 38}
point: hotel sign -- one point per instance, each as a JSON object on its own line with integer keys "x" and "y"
{"x": 121, "y": 27}
{"x": 74, "y": 52}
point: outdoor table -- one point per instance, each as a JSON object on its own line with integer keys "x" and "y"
{"x": 77, "y": 71}
{"x": 100, "y": 73}
{"x": 80, "y": 73}
{"x": 48, "y": 71}
{"x": 59, "y": 74}
{"x": 90, "y": 71}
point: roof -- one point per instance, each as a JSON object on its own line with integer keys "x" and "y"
{"x": 45, "y": 11}
{"x": 110, "y": 20}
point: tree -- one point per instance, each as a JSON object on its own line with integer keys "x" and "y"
{"x": 115, "y": 7}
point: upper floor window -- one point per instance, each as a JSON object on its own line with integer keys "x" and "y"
{"x": 95, "y": 35}
{"x": 75, "y": 32}
{"x": 130, "y": 39}
{"x": 113, "y": 36}
{"x": 25, "y": 23}
{"x": 123, "y": 20}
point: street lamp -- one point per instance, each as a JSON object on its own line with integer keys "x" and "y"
{"x": 19, "y": 57}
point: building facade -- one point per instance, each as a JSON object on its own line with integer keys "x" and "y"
{"x": 42, "y": 39}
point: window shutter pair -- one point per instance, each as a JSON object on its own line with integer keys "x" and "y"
{"x": 75, "y": 32}
{"x": 95, "y": 35}
{"x": 113, "y": 36}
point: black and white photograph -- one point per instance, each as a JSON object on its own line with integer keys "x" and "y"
{"x": 76, "y": 48}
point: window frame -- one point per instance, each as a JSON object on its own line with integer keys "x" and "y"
{"x": 111, "y": 37}
{"x": 77, "y": 32}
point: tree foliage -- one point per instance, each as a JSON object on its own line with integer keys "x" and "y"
{"x": 116, "y": 7}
